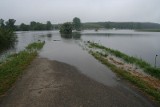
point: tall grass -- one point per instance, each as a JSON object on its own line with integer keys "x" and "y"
{"x": 130, "y": 59}
{"x": 13, "y": 67}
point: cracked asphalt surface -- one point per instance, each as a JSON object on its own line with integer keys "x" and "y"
{"x": 48, "y": 83}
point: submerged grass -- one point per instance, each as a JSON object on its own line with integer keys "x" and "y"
{"x": 129, "y": 59}
{"x": 36, "y": 45}
{"x": 144, "y": 86}
{"x": 13, "y": 67}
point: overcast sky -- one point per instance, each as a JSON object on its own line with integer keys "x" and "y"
{"x": 58, "y": 11}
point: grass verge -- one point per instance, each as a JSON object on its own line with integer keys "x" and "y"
{"x": 15, "y": 64}
{"x": 129, "y": 59}
{"x": 144, "y": 86}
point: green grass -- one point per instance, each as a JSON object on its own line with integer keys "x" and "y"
{"x": 15, "y": 64}
{"x": 129, "y": 59}
{"x": 144, "y": 86}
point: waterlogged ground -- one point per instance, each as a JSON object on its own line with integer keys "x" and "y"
{"x": 66, "y": 75}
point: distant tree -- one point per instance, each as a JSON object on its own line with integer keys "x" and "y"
{"x": 24, "y": 27}
{"x": 33, "y": 25}
{"x": 76, "y": 23}
{"x": 107, "y": 25}
{"x": 10, "y": 24}
{"x": 66, "y": 28}
{"x": 48, "y": 25}
{"x": 37, "y": 26}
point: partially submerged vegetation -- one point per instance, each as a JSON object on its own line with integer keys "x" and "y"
{"x": 7, "y": 36}
{"x": 15, "y": 64}
{"x": 35, "y": 46}
{"x": 130, "y": 59}
{"x": 66, "y": 28}
{"x": 144, "y": 85}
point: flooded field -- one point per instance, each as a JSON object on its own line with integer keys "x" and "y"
{"x": 144, "y": 45}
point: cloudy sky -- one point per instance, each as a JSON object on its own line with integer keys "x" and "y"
{"x": 58, "y": 11}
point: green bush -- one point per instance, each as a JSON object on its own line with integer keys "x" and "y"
{"x": 7, "y": 38}
{"x": 66, "y": 28}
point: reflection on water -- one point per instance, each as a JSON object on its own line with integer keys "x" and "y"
{"x": 74, "y": 35}
{"x": 49, "y": 35}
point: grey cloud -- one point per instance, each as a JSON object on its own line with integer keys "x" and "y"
{"x": 59, "y": 11}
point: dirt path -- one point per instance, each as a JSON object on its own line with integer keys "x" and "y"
{"x": 54, "y": 84}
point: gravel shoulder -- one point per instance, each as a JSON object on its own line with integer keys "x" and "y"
{"x": 48, "y": 83}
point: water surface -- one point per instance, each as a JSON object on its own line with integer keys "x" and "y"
{"x": 143, "y": 45}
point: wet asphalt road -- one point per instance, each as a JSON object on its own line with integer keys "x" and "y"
{"x": 48, "y": 83}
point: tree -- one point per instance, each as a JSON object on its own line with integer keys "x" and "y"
{"x": 77, "y": 24}
{"x": 10, "y": 24}
{"x": 66, "y": 28}
{"x": 32, "y": 25}
{"x": 24, "y": 27}
{"x": 7, "y": 36}
{"x": 48, "y": 25}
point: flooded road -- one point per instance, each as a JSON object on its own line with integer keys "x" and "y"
{"x": 69, "y": 51}
{"x": 66, "y": 75}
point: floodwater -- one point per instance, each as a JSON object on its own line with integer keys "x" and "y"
{"x": 143, "y": 45}
{"x": 67, "y": 48}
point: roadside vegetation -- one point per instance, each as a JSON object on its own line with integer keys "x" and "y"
{"x": 139, "y": 82}
{"x": 130, "y": 59}
{"x": 13, "y": 66}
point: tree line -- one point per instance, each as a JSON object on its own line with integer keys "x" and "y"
{"x": 77, "y": 25}
{"x": 121, "y": 25}
{"x": 35, "y": 26}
